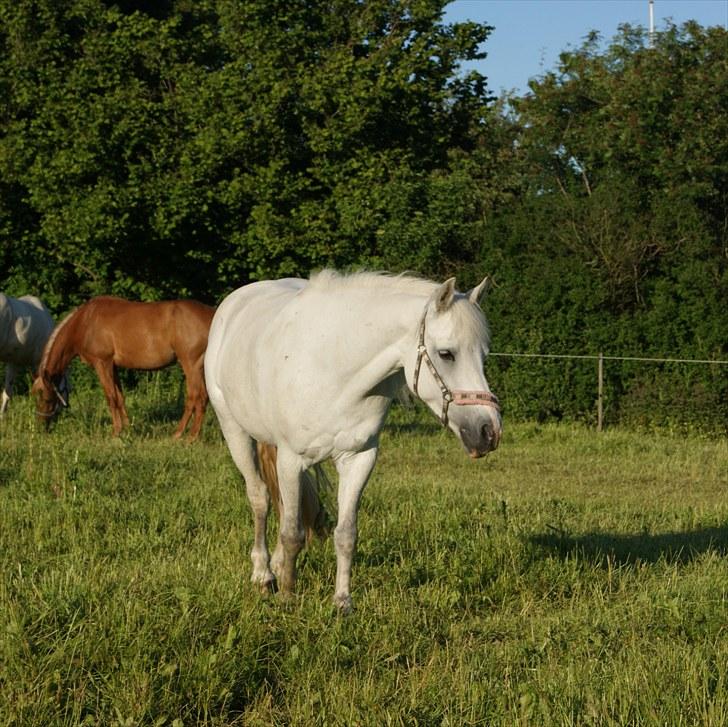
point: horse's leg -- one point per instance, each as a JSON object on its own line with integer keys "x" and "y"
{"x": 242, "y": 450}
{"x": 195, "y": 398}
{"x": 120, "y": 403}
{"x": 291, "y": 535}
{"x": 109, "y": 379}
{"x": 354, "y": 469}
{"x": 10, "y": 372}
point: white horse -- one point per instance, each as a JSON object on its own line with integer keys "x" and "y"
{"x": 25, "y": 325}
{"x": 312, "y": 367}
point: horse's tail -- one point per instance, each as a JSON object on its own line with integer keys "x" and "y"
{"x": 314, "y": 483}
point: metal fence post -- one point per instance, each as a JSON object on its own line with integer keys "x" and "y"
{"x": 600, "y": 392}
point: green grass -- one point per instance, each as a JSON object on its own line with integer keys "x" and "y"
{"x": 571, "y": 578}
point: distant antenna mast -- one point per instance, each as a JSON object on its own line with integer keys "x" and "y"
{"x": 651, "y": 36}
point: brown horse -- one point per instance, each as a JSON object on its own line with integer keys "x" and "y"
{"x": 108, "y": 332}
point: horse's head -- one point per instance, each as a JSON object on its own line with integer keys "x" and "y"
{"x": 52, "y": 395}
{"x": 453, "y": 343}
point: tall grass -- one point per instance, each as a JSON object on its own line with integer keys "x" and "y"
{"x": 571, "y": 578}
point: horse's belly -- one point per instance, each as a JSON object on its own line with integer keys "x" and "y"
{"x": 17, "y": 352}
{"x": 15, "y": 355}
{"x": 145, "y": 361}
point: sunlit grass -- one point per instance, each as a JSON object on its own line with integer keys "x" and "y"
{"x": 569, "y": 578}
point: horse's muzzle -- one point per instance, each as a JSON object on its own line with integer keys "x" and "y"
{"x": 480, "y": 440}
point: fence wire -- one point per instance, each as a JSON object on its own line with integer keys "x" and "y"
{"x": 600, "y": 358}
{"x": 607, "y": 357}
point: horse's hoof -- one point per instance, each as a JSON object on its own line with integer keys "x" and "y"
{"x": 268, "y": 588}
{"x": 344, "y": 604}
{"x": 266, "y": 584}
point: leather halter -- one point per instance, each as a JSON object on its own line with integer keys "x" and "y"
{"x": 459, "y": 397}
{"x": 60, "y": 402}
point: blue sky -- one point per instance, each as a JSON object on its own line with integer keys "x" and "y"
{"x": 530, "y": 34}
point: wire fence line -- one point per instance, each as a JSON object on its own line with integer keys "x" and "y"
{"x": 600, "y": 358}
{"x": 607, "y": 357}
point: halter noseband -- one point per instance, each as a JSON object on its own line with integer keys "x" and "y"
{"x": 60, "y": 402}
{"x": 459, "y": 397}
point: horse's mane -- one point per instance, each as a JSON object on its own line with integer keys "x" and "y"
{"x": 333, "y": 280}
{"x": 470, "y": 317}
{"x": 52, "y": 340}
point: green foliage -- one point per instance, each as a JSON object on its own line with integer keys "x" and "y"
{"x": 186, "y": 152}
{"x": 620, "y": 244}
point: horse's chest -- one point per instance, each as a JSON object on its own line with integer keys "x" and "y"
{"x": 356, "y": 439}
{"x": 360, "y": 429}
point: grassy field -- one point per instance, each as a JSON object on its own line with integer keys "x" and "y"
{"x": 571, "y": 578}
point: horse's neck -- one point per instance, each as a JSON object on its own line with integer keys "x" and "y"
{"x": 62, "y": 348}
{"x": 385, "y": 338}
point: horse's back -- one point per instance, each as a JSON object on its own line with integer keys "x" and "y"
{"x": 34, "y": 301}
{"x": 153, "y": 315}
{"x": 249, "y": 311}
{"x": 145, "y": 335}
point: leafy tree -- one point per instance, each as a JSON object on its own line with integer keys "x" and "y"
{"x": 189, "y": 149}
{"x": 622, "y": 243}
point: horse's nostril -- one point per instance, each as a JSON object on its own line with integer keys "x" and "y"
{"x": 490, "y": 437}
{"x": 485, "y": 433}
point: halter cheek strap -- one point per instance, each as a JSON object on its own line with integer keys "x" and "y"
{"x": 459, "y": 397}
{"x": 61, "y": 401}
{"x": 61, "y": 398}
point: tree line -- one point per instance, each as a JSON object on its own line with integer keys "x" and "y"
{"x": 181, "y": 149}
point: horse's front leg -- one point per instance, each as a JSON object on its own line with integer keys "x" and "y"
{"x": 109, "y": 379}
{"x": 291, "y": 535}
{"x": 354, "y": 469}
{"x": 10, "y": 372}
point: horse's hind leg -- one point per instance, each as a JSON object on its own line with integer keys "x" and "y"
{"x": 186, "y": 416}
{"x": 242, "y": 449}
{"x": 10, "y": 372}
{"x": 195, "y": 399}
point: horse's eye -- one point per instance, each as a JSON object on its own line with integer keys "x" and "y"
{"x": 446, "y": 355}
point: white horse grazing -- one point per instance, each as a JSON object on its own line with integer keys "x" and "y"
{"x": 25, "y": 325}
{"x": 312, "y": 367}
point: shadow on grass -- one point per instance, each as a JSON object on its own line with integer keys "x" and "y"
{"x": 617, "y": 549}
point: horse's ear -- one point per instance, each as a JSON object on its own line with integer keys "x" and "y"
{"x": 445, "y": 295}
{"x": 477, "y": 294}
